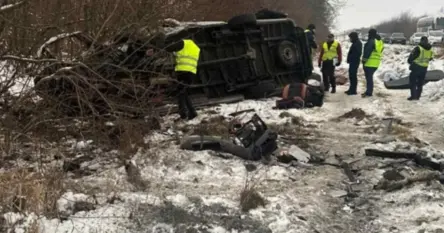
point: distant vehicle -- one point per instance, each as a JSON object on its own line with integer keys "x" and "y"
{"x": 429, "y": 23}
{"x": 363, "y": 36}
{"x": 416, "y": 37}
{"x": 436, "y": 37}
{"x": 398, "y": 38}
{"x": 385, "y": 37}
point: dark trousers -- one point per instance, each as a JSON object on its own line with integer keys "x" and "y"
{"x": 353, "y": 76}
{"x": 369, "y": 72}
{"x": 328, "y": 75}
{"x": 416, "y": 79}
{"x": 186, "y": 108}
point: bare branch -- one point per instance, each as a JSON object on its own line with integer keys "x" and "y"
{"x": 11, "y": 6}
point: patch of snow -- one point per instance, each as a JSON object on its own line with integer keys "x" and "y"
{"x": 313, "y": 82}
{"x": 20, "y": 84}
{"x": 434, "y": 91}
{"x": 12, "y": 218}
{"x": 53, "y": 39}
{"x": 82, "y": 145}
{"x": 65, "y": 204}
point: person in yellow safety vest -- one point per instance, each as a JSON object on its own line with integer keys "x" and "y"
{"x": 371, "y": 59}
{"x": 187, "y": 56}
{"x": 310, "y": 34}
{"x": 330, "y": 56}
{"x": 419, "y": 60}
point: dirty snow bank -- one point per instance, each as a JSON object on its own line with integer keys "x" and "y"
{"x": 190, "y": 191}
{"x": 434, "y": 91}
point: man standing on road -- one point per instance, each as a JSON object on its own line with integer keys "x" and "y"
{"x": 419, "y": 60}
{"x": 371, "y": 59}
{"x": 187, "y": 56}
{"x": 310, "y": 33}
{"x": 331, "y": 56}
{"x": 354, "y": 59}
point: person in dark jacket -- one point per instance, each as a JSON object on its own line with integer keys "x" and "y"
{"x": 310, "y": 33}
{"x": 354, "y": 59}
{"x": 330, "y": 56}
{"x": 419, "y": 60}
{"x": 371, "y": 59}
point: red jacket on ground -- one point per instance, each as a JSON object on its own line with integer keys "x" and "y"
{"x": 338, "y": 50}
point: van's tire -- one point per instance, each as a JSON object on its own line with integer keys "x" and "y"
{"x": 287, "y": 54}
{"x": 242, "y": 20}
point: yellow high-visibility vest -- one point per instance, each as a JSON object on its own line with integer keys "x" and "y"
{"x": 330, "y": 54}
{"x": 187, "y": 58}
{"x": 424, "y": 57}
{"x": 375, "y": 57}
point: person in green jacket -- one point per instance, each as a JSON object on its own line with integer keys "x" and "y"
{"x": 419, "y": 60}
{"x": 371, "y": 59}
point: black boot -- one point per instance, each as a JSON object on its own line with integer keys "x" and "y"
{"x": 333, "y": 90}
{"x": 183, "y": 111}
{"x": 191, "y": 110}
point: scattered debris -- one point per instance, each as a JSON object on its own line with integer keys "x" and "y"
{"x": 241, "y": 112}
{"x": 356, "y": 113}
{"x": 392, "y": 185}
{"x": 134, "y": 177}
{"x": 251, "y": 199}
{"x": 294, "y": 153}
{"x": 393, "y": 175}
{"x": 419, "y": 159}
{"x": 252, "y": 141}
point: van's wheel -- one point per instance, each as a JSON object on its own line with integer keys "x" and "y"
{"x": 241, "y": 20}
{"x": 287, "y": 53}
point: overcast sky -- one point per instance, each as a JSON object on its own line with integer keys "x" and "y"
{"x": 361, "y": 13}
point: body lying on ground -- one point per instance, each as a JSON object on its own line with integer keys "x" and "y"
{"x": 300, "y": 95}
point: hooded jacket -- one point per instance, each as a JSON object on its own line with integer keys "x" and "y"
{"x": 355, "y": 51}
{"x": 369, "y": 47}
{"x": 416, "y": 52}
{"x": 311, "y": 39}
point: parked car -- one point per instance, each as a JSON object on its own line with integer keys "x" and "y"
{"x": 436, "y": 37}
{"x": 416, "y": 37}
{"x": 249, "y": 55}
{"x": 385, "y": 37}
{"x": 398, "y": 38}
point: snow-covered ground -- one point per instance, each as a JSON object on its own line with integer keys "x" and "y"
{"x": 17, "y": 84}
{"x": 166, "y": 189}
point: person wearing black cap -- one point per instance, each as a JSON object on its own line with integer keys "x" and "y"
{"x": 330, "y": 56}
{"x": 371, "y": 59}
{"x": 354, "y": 59}
{"x": 419, "y": 60}
{"x": 310, "y": 33}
